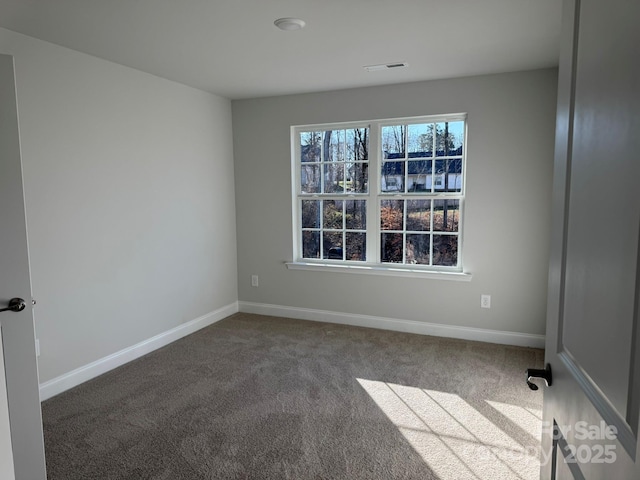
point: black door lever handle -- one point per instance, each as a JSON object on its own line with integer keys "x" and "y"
{"x": 15, "y": 305}
{"x": 539, "y": 373}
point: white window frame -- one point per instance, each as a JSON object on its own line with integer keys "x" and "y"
{"x": 373, "y": 265}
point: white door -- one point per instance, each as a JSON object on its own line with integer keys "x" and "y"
{"x": 20, "y": 367}
{"x": 592, "y": 408}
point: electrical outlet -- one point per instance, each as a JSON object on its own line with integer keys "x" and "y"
{"x": 254, "y": 280}
{"x": 485, "y": 301}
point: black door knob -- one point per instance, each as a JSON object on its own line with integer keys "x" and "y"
{"x": 15, "y": 305}
{"x": 539, "y": 373}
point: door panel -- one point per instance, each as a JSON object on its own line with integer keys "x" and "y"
{"x": 603, "y": 220}
{"x": 592, "y": 326}
{"x": 17, "y": 327}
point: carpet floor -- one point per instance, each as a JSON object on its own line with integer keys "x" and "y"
{"x": 256, "y": 397}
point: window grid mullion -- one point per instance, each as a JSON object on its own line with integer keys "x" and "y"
{"x": 431, "y": 231}
{"x": 433, "y": 173}
{"x": 344, "y": 223}
{"x": 322, "y": 163}
{"x": 322, "y": 229}
{"x": 405, "y": 147}
{"x": 373, "y": 203}
{"x": 404, "y": 231}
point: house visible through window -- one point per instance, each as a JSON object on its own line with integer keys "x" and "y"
{"x": 382, "y": 193}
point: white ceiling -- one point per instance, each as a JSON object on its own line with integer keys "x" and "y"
{"x": 232, "y": 48}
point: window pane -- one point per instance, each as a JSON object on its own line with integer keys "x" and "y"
{"x": 311, "y": 214}
{"x": 334, "y": 145}
{"x": 391, "y": 214}
{"x": 357, "y": 144}
{"x": 334, "y": 178}
{"x": 358, "y": 181}
{"x": 310, "y": 178}
{"x": 445, "y": 250}
{"x": 311, "y": 244}
{"x": 455, "y": 175}
{"x": 446, "y": 215}
{"x": 351, "y": 146}
{"x": 449, "y": 138}
{"x": 393, "y": 141}
{"x": 332, "y": 214}
{"x": 419, "y": 173}
{"x": 448, "y": 176}
{"x": 356, "y": 246}
{"x": 418, "y": 215}
{"x": 420, "y": 140}
{"x": 439, "y": 175}
{"x": 391, "y": 248}
{"x": 418, "y": 249}
{"x": 356, "y": 214}
{"x": 310, "y": 146}
{"x": 332, "y": 245}
{"x": 392, "y": 178}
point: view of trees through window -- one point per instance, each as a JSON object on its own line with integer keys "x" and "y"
{"x": 417, "y": 198}
{"x": 413, "y": 229}
{"x": 423, "y": 158}
{"x": 335, "y": 161}
{"x": 334, "y": 229}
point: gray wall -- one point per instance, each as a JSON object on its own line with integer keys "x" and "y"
{"x": 130, "y": 202}
{"x": 511, "y": 123}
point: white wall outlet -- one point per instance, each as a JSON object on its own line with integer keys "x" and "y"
{"x": 254, "y": 280}
{"x": 485, "y": 301}
{"x": 37, "y": 347}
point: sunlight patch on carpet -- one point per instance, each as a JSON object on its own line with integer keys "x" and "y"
{"x": 455, "y": 439}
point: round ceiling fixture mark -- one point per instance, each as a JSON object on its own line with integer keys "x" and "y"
{"x": 288, "y": 24}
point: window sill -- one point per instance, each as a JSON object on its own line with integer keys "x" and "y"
{"x": 378, "y": 270}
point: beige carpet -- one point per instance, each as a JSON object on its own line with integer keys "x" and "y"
{"x": 256, "y": 397}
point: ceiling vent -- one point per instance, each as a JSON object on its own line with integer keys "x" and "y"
{"x": 385, "y": 66}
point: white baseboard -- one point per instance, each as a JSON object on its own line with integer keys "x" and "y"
{"x": 408, "y": 326}
{"x": 80, "y": 375}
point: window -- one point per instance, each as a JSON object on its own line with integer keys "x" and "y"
{"x": 387, "y": 193}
